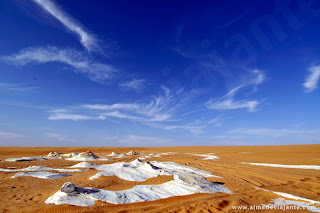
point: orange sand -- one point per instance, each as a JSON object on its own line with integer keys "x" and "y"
{"x": 27, "y": 194}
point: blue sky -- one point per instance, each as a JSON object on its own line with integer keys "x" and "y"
{"x": 159, "y": 73}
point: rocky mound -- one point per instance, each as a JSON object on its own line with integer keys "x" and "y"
{"x": 132, "y": 153}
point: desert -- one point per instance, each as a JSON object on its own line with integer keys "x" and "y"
{"x": 159, "y": 106}
{"x": 166, "y": 179}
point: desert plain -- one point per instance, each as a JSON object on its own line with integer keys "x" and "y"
{"x": 243, "y": 176}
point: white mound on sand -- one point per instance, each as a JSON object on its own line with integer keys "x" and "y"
{"x": 132, "y": 153}
{"x": 117, "y": 155}
{"x": 138, "y": 170}
{"x": 84, "y": 156}
{"x": 206, "y": 156}
{"x": 25, "y": 159}
{"x": 84, "y": 165}
{"x": 54, "y": 154}
{"x": 40, "y": 168}
{"x": 181, "y": 185}
{"x": 42, "y": 175}
{"x": 285, "y": 166}
{"x": 114, "y": 154}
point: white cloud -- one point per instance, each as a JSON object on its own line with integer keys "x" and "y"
{"x": 231, "y": 104}
{"x": 216, "y": 121}
{"x": 58, "y": 137}
{"x": 135, "y": 84}
{"x": 8, "y": 135}
{"x": 113, "y": 106}
{"x": 228, "y": 102}
{"x": 80, "y": 63}
{"x": 16, "y": 87}
{"x": 160, "y": 108}
{"x": 74, "y": 117}
{"x": 160, "y": 112}
{"x": 273, "y": 132}
{"x": 311, "y": 82}
{"x": 86, "y": 39}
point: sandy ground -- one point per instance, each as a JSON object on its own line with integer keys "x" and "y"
{"x": 27, "y": 194}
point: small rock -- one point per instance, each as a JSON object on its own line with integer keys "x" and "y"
{"x": 68, "y": 187}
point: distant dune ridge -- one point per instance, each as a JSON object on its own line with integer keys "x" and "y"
{"x": 175, "y": 179}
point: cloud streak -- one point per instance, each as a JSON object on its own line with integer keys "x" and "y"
{"x": 79, "y": 62}
{"x": 86, "y": 39}
{"x": 135, "y": 85}
{"x": 16, "y": 87}
{"x": 160, "y": 111}
{"x": 160, "y": 108}
{"x": 311, "y": 82}
{"x": 228, "y": 102}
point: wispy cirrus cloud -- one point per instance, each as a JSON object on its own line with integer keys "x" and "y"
{"x": 79, "y": 62}
{"x": 12, "y": 87}
{"x": 273, "y": 132}
{"x": 228, "y": 102}
{"x": 74, "y": 117}
{"x": 63, "y": 114}
{"x": 88, "y": 40}
{"x": 8, "y": 135}
{"x": 135, "y": 85}
{"x": 164, "y": 111}
{"x": 311, "y": 81}
{"x": 160, "y": 108}
{"x": 217, "y": 121}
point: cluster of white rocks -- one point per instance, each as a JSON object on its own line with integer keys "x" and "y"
{"x": 187, "y": 180}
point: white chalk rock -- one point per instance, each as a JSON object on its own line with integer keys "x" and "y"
{"x": 68, "y": 187}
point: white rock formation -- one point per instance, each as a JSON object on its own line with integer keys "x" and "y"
{"x": 181, "y": 185}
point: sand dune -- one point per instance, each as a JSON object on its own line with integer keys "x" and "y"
{"x": 282, "y": 178}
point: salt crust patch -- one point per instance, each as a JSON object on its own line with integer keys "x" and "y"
{"x": 298, "y": 201}
{"x": 181, "y": 185}
{"x": 210, "y": 156}
{"x": 158, "y": 155}
{"x": 138, "y": 170}
{"x": 25, "y": 159}
{"x": 40, "y": 168}
{"x": 285, "y": 166}
{"x": 42, "y": 175}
